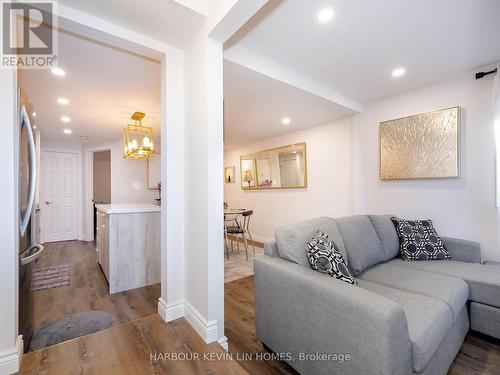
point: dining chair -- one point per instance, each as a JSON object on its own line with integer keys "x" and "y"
{"x": 242, "y": 229}
{"x": 230, "y": 222}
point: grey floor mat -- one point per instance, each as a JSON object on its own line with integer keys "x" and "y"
{"x": 69, "y": 327}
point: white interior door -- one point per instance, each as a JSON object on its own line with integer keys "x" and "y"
{"x": 59, "y": 196}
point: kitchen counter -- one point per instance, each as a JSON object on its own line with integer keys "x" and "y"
{"x": 126, "y": 208}
{"x": 128, "y": 245}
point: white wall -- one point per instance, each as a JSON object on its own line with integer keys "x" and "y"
{"x": 128, "y": 177}
{"x": 329, "y": 176}
{"x": 203, "y": 187}
{"x": 463, "y": 207}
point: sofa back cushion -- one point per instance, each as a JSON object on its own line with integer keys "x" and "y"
{"x": 363, "y": 246}
{"x": 292, "y": 239}
{"x": 387, "y": 234}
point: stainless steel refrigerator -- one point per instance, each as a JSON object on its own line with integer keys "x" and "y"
{"x": 29, "y": 250}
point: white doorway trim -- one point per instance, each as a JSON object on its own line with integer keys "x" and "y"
{"x": 79, "y": 192}
{"x": 172, "y": 135}
{"x": 88, "y": 214}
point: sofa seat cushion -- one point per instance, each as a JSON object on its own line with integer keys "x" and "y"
{"x": 429, "y": 320}
{"x": 450, "y": 290}
{"x": 292, "y": 239}
{"x": 362, "y": 243}
{"x": 483, "y": 279}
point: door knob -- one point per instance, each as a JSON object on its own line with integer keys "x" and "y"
{"x": 47, "y": 202}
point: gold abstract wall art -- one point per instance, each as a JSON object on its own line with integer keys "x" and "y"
{"x": 421, "y": 146}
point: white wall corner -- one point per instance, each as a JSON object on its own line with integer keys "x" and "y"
{"x": 207, "y": 330}
{"x": 10, "y": 360}
{"x": 270, "y": 68}
{"x": 233, "y": 18}
{"x": 224, "y": 343}
{"x": 170, "y": 312}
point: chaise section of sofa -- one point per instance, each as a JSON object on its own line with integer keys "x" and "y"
{"x": 421, "y": 306}
{"x": 303, "y": 312}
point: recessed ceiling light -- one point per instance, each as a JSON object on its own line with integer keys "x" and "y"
{"x": 34, "y": 114}
{"x": 399, "y": 72}
{"x": 325, "y": 15}
{"x": 285, "y": 120}
{"x": 67, "y": 131}
{"x": 65, "y": 119}
{"x": 58, "y": 72}
{"x": 84, "y": 137}
{"x": 63, "y": 101}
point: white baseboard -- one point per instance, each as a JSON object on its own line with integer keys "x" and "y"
{"x": 262, "y": 239}
{"x": 170, "y": 312}
{"x": 207, "y": 330}
{"x": 10, "y": 360}
{"x": 258, "y": 238}
{"x": 224, "y": 343}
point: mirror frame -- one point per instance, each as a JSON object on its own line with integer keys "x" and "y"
{"x": 256, "y": 187}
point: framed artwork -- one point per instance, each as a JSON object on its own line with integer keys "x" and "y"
{"x": 229, "y": 175}
{"x": 422, "y": 146}
{"x": 154, "y": 171}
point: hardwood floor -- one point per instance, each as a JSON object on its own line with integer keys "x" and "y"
{"x": 130, "y": 349}
{"x": 127, "y": 348}
{"x": 88, "y": 289}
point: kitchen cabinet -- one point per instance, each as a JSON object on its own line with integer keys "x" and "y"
{"x": 102, "y": 242}
{"x": 128, "y": 245}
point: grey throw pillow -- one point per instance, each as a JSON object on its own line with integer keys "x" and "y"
{"x": 325, "y": 258}
{"x": 418, "y": 240}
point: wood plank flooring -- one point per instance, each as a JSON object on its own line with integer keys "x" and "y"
{"x": 130, "y": 349}
{"x": 126, "y": 348}
{"x": 88, "y": 289}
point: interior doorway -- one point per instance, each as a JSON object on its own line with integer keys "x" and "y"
{"x": 101, "y": 180}
{"x": 60, "y": 196}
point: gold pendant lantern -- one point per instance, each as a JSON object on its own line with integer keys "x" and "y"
{"x": 137, "y": 139}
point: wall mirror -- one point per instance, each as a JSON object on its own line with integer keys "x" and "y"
{"x": 278, "y": 168}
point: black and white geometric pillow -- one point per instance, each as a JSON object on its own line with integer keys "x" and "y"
{"x": 418, "y": 240}
{"x": 324, "y": 257}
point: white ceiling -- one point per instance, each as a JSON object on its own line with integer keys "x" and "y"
{"x": 356, "y": 52}
{"x": 104, "y": 87}
{"x": 254, "y": 106}
{"x": 164, "y": 20}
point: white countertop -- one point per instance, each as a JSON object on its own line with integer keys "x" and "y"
{"x": 124, "y": 208}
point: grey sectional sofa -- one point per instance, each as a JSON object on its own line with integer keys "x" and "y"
{"x": 404, "y": 318}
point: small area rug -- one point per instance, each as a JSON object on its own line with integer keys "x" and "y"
{"x": 69, "y": 327}
{"x": 51, "y": 277}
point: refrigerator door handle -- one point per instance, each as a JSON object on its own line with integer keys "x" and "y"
{"x": 32, "y": 257}
{"x": 25, "y": 121}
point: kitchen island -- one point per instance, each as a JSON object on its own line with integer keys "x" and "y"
{"x": 128, "y": 245}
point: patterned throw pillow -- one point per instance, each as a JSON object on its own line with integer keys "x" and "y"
{"x": 324, "y": 257}
{"x": 418, "y": 240}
